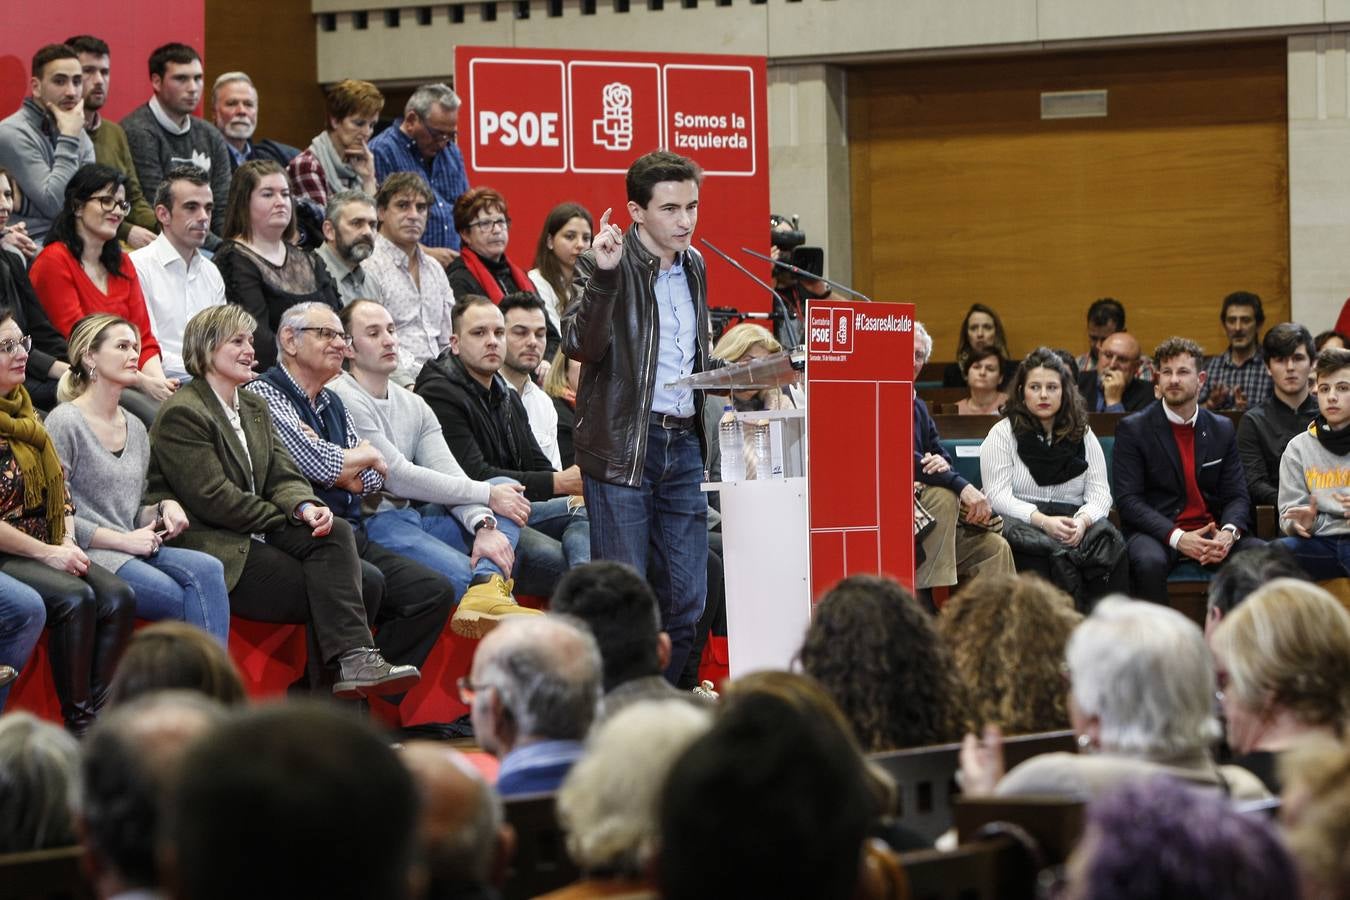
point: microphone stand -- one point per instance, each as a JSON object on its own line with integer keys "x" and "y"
{"x": 780, "y": 308}
{"x": 802, "y": 273}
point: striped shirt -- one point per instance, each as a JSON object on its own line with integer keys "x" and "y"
{"x": 1013, "y": 493}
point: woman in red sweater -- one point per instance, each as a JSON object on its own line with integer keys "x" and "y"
{"x": 83, "y": 270}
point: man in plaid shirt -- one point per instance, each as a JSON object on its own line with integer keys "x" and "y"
{"x": 1237, "y": 378}
{"x": 424, "y": 142}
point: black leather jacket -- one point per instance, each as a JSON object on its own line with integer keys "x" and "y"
{"x": 612, "y": 329}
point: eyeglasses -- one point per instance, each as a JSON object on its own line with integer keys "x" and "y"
{"x": 440, "y": 137}
{"x": 467, "y": 689}
{"x": 110, "y": 202}
{"x": 327, "y": 334}
{"x": 9, "y": 347}
{"x": 491, "y": 224}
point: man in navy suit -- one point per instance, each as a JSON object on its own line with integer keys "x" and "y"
{"x": 533, "y": 692}
{"x": 1179, "y": 484}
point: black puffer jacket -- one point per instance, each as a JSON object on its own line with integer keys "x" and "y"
{"x": 613, "y": 330}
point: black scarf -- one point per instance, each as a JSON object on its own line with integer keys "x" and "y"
{"x": 1337, "y": 442}
{"x": 1051, "y": 463}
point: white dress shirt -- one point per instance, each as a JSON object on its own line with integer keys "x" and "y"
{"x": 543, "y": 420}
{"x": 175, "y": 291}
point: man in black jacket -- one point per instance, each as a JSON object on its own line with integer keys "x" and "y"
{"x": 488, "y": 431}
{"x": 639, "y": 323}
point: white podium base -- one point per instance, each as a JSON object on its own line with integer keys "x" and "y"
{"x": 764, "y": 544}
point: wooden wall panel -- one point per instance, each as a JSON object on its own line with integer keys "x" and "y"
{"x": 274, "y": 42}
{"x": 961, "y": 193}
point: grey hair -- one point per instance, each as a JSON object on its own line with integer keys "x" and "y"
{"x": 421, "y": 100}
{"x": 39, "y": 784}
{"x": 210, "y": 328}
{"x": 225, "y": 78}
{"x": 922, "y": 339}
{"x": 546, "y": 670}
{"x": 608, "y": 805}
{"x": 293, "y": 319}
{"x": 1144, "y": 671}
{"x": 336, "y": 202}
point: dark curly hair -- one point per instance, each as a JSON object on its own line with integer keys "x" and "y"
{"x": 1007, "y": 635}
{"x": 874, "y": 649}
{"x": 1070, "y": 422}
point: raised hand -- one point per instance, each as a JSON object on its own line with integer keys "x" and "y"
{"x": 608, "y": 243}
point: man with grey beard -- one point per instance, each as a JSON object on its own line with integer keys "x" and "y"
{"x": 234, "y": 104}
{"x": 348, "y": 239}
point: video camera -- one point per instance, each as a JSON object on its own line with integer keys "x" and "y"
{"x": 787, "y": 236}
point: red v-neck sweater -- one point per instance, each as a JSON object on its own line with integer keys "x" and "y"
{"x": 1194, "y": 514}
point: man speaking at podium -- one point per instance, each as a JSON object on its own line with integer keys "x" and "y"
{"x": 641, "y": 322}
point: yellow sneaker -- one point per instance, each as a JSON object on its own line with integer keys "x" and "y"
{"x": 484, "y": 605}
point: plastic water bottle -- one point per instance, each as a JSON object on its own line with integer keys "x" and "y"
{"x": 759, "y": 443}
{"x": 731, "y": 444}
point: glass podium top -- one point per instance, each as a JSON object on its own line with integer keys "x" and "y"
{"x": 776, "y": 370}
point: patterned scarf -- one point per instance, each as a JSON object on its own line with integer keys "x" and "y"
{"x": 44, "y": 484}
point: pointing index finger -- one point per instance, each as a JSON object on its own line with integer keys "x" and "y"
{"x": 604, "y": 218}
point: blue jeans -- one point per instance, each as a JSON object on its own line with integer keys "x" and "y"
{"x": 187, "y": 585}
{"x": 556, "y": 540}
{"x": 1322, "y": 558}
{"x": 430, "y": 535}
{"x": 660, "y": 528}
{"x": 22, "y": 617}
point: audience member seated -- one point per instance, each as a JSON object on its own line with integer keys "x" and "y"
{"x": 309, "y": 801}
{"x": 1006, "y": 635}
{"x": 349, "y": 229}
{"x": 1265, "y": 429}
{"x": 1315, "y": 473}
{"x": 1141, "y": 695}
{"x": 234, "y": 103}
{"x": 90, "y": 611}
{"x": 1165, "y": 840}
{"x": 1327, "y": 339}
{"x": 790, "y": 799}
{"x": 339, "y": 158}
{"x": 408, "y": 282}
{"x": 1315, "y": 813}
{"x": 1045, "y": 475}
{"x": 287, "y": 557}
{"x": 1236, "y": 581}
{"x": 264, "y": 272}
{"x": 484, "y": 227}
{"x": 22, "y": 618}
{"x": 1179, "y": 485}
{"x": 982, "y": 371}
{"x": 14, "y": 237}
{"x": 39, "y": 768}
{"x": 964, "y": 539}
{"x": 1106, "y": 317}
{"x": 164, "y": 133}
{"x": 128, "y": 762}
{"x": 424, "y": 142}
{"x": 534, "y": 691}
{"x": 742, "y": 343}
{"x": 466, "y": 846}
{"x": 1237, "y": 378}
{"x": 526, "y": 336}
{"x": 43, "y": 144}
{"x": 981, "y": 329}
{"x": 177, "y": 280}
{"x": 175, "y": 656}
{"x": 561, "y": 385}
{"x": 621, "y": 611}
{"x": 608, "y": 803}
{"x": 566, "y": 235}
{"x": 876, "y": 653}
{"x": 1283, "y": 662}
{"x": 105, "y": 455}
{"x": 313, "y": 424}
{"x": 1114, "y": 384}
{"x": 46, "y": 358}
{"x": 487, "y": 428}
{"x": 109, "y": 140}
{"x": 83, "y": 270}
{"x": 449, "y": 525}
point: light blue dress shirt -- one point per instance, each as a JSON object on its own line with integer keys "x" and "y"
{"x": 678, "y": 340}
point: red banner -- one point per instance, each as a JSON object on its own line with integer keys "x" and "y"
{"x": 860, "y": 446}
{"x": 548, "y": 126}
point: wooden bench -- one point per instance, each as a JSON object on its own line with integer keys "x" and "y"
{"x": 541, "y": 863}
{"x": 44, "y": 875}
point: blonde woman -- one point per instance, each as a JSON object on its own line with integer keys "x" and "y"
{"x": 561, "y": 384}
{"x": 105, "y": 454}
{"x": 744, "y": 342}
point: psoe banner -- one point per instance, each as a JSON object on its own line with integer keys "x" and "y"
{"x": 545, "y": 127}
{"x": 860, "y": 444}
